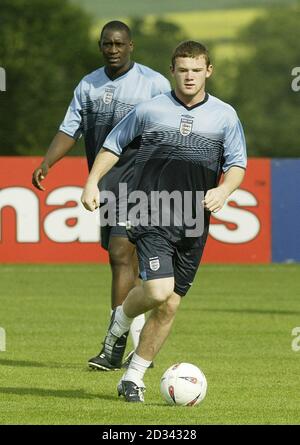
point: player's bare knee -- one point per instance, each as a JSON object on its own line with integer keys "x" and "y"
{"x": 159, "y": 295}
{"x": 120, "y": 255}
{"x": 167, "y": 311}
{"x": 172, "y": 304}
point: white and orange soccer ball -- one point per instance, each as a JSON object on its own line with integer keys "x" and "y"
{"x": 183, "y": 384}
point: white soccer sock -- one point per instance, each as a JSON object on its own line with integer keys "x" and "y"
{"x": 135, "y": 329}
{"x": 121, "y": 322}
{"x": 136, "y": 370}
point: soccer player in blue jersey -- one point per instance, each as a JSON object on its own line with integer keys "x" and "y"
{"x": 101, "y": 100}
{"x": 187, "y": 139}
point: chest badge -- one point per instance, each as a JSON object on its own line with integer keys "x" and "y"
{"x": 186, "y": 126}
{"x": 108, "y": 95}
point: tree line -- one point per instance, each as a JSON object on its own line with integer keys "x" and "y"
{"x": 46, "y": 48}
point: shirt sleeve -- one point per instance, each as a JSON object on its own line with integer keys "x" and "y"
{"x": 160, "y": 85}
{"x": 72, "y": 123}
{"x": 234, "y": 145}
{"x": 124, "y": 132}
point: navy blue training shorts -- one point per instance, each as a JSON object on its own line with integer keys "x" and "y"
{"x": 159, "y": 258}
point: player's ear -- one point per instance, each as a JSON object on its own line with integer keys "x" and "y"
{"x": 131, "y": 45}
{"x": 172, "y": 69}
{"x": 209, "y": 71}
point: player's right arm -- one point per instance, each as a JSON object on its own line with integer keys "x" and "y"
{"x": 104, "y": 161}
{"x": 59, "y": 147}
{"x": 124, "y": 132}
{"x": 64, "y": 140}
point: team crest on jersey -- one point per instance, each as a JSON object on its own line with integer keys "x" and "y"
{"x": 108, "y": 95}
{"x": 186, "y": 126}
{"x": 154, "y": 263}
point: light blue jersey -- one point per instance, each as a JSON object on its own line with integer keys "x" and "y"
{"x": 99, "y": 103}
{"x": 180, "y": 148}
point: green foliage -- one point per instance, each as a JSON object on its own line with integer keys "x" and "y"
{"x": 155, "y": 46}
{"x": 115, "y": 9}
{"x": 45, "y": 50}
{"x": 263, "y": 96}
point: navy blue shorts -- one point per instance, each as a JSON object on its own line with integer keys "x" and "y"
{"x": 159, "y": 258}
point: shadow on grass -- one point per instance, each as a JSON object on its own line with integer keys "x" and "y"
{"x": 6, "y": 362}
{"x": 61, "y": 393}
{"x": 249, "y": 311}
{"x": 73, "y": 394}
{"x": 28, "y": 363}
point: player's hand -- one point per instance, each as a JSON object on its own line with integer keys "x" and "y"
{"x": 39, "y": 175}
{"x": 90, "y": 197}
{"x": 215, "y": 198}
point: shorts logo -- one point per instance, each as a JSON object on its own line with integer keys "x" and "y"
{"x": 154, "y": 263}
{"x": 186, "y": 126}
{"x": 108, "y": 95}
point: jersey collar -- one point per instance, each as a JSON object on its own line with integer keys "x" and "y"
{"x": 120, "y": 75}
{"x": 193, "y": 106}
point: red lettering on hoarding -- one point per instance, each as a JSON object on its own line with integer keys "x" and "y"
{"x": 241, "y": 231}
{"x": 53, "y": 226}
{"x": 50, "y": 226}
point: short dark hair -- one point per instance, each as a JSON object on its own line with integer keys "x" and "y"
{"x": 116, "y": 25}
{"x": 190, "y": 48}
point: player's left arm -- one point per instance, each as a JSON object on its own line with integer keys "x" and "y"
{"x": 234, "y": 165}
{"x": 215, "y": 198}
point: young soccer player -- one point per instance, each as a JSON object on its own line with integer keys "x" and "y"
{"x": 187, "y": 139}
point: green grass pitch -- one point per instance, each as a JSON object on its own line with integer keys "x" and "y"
{"x": 236, "y": 324}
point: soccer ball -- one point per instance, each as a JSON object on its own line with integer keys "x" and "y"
{"x": 183, "y": 384}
